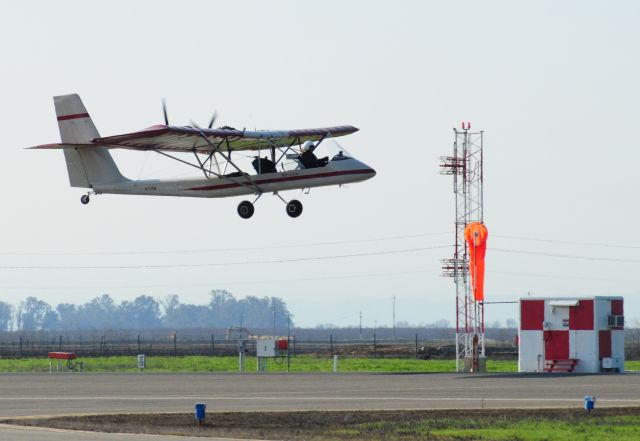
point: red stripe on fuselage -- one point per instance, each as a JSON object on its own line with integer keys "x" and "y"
{"x": 284, "y": 179}
{"x": 74, "y": 116}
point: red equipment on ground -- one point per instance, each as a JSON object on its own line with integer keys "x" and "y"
{"x": 69, "y": 356}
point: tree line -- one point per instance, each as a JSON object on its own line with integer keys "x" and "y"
{"x": 145, "y": 312}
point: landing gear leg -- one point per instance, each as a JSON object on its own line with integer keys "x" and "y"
{"x": 294, "y": 208}
{"x": 85, "y": 199}
{"x": 245, "y": 209}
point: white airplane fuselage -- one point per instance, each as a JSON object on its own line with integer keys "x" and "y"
{"x": 336, "y": 172}
{"x": 90, "y": 164}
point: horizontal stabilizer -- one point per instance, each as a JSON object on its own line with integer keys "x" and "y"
{"x": 60, "y": 146}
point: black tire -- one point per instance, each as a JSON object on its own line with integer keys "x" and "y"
{"x": 84, "y": 199}
{"x": 294, "y": 208}
{"x": 245, "y": 209}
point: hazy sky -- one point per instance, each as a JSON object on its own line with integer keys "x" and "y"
{"x": 553, "y": 84}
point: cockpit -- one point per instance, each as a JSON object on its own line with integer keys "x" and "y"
{"x": 340, "y": 156}
{"x": 304, "y": 159}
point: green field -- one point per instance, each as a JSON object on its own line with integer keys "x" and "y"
{"x": 606, "y": 428}
{"x": 230, "y": 364}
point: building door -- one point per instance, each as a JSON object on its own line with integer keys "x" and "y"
{"x": 556, "y": 345}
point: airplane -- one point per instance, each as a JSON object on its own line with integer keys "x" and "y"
{"x": 289, "y": 163}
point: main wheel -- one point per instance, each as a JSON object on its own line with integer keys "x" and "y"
{"x": 245, "y": 209}
{"x": 84, "y": 199}
{"x": 294, "y": 208}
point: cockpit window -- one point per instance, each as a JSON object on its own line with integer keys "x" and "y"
{"x": 340, "y": 157}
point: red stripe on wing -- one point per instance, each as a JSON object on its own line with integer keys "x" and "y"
{"x": 74, "y": 116}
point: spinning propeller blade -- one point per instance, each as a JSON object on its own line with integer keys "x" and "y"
{"x": 164, "y": 111}
{"x": 213, "y": 119}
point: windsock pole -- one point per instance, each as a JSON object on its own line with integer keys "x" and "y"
{"x": 466, "y": 267}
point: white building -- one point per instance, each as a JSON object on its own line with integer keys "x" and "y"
{"x": 583, "y": 334}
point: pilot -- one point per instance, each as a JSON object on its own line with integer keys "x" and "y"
{"x": 309, "y": 159}
{"x": 264, "y": 165}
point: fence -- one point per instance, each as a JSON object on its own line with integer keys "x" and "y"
{"x": 381, "y": 343}
{"x": 312, "y": 342}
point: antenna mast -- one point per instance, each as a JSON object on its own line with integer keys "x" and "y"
{"x": 467, "y": 169}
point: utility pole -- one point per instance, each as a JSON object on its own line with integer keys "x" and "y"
{"x": 273, "y": 303}
{"x": 360, "y": 325}
{"x": 288, "y": 342}
{"x": 394, "y": 317}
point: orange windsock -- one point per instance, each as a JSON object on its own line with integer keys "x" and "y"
{"x": 476, "y": 236}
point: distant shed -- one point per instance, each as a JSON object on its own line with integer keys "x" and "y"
{"x": 582, "y": 334}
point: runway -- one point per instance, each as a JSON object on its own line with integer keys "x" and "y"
{"x": 24, "y": 395}
{"x": 69, "y": 393}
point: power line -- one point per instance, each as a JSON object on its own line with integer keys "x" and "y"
{"x": 223, "y": 283}
{"x": 561, "y": 276}
{"x": 301, "y": 245}
{"x": 199, "y": 265}
{"x": 566, "y": 242}
{"x": 223, "y": 250}
{"x": 310, "y": 279}
{"x": 564, "y": 256}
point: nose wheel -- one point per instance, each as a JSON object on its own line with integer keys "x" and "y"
{"x": 245, "y": 209}
{"x": 294, "y": 208}
{"x": 84, "y": 199}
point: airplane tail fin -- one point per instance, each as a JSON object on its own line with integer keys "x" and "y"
{"x": 87, "y": 166}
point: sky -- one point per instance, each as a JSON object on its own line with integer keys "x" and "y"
{"x": 554, "y": 86}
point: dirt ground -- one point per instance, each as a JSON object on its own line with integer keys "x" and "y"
{"x": 311, "y": 425}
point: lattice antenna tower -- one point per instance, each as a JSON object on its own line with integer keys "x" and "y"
{"x": 466, "y": 168}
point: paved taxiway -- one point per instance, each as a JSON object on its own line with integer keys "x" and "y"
{"x": 73, "y": 393}
{"x": 69, "y": 393}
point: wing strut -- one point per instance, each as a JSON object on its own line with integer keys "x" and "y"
{"x": 228, "y": 178}
{"x": 229, "y": 161}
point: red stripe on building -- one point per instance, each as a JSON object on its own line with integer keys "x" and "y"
{"x": 531, "y": 315}
{"x": 74, "y": 116}
{"x": 283, "y": 179}
{"x": 581, "y": 316}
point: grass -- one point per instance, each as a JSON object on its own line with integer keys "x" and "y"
{"x": 605, "y": 428}
{"x": 230, "y": 364}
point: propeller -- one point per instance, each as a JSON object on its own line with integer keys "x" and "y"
{"x": 213, "y": 119}
{"x": 166, "y": 117}
{"x": 164, "y": 111}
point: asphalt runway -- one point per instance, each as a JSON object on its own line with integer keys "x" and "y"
{"x": 24, "y": 395}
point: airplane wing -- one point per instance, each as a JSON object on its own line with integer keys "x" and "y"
{"x": 188, "y": 139}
